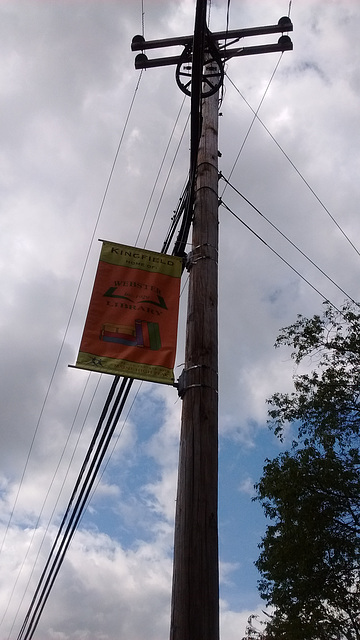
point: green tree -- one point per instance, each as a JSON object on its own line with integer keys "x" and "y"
{"x": 310, "y": 554}
{"x": 252, "y": 631}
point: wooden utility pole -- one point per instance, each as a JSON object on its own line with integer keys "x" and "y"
{"x": 195, "y": 598}
{"x": 199, "y": 74}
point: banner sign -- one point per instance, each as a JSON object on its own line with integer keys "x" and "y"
{"x": 131, "y": 325}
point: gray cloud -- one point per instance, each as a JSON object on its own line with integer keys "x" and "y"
{"x": 66, "y": 84}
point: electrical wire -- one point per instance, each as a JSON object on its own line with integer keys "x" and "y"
{"x": 197, "y": 132}
{"x": 227, "y": 19}
{"x": 66, "y": 332}
{"x": 43, "y": 575}
{"x": 39, "y": 606}
{"x": 256, "y": 116}
{"x": 87, "y": 476}
{"x": 84, "y": 489}
{"x": 86, "y": 492}
{"x": 71, "y": 313}
{"x": 142, "y": 19}
{"x": 178, "y": 213}
{"x": 164, "y": 249}
{"x": 73, "y": 515}
{"x": 116, "y": 441}
{"x": 200, "y": 32}
{"x": 159, "y": 172}
{"x": 36, "y": 608}
{"x": 46, "y": 530}
{"x": 278, "y": 255}
{"x": 51, "y": 569}
{"x": 160, "y": 169}
{"x": 166, "y": 183}
{"x": 290, "y": 241}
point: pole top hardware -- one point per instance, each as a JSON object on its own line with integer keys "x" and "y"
{"x": 213, "y": 69}
{"x": 220, "y": 41}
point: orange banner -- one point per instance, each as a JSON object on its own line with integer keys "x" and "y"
{"x": 131, "y": 326}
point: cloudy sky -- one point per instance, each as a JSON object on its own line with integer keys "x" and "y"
{"x": 70, "y": 99}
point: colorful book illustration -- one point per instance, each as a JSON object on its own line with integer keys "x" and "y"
{"x": 143, "y": 334}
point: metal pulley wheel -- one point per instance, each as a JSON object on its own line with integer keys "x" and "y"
{"x": 212, "y": 75}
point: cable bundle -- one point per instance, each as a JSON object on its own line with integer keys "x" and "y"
{"x": 77, "y": 503}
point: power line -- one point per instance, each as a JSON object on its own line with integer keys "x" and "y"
{"x": 73, "y": 515}
{"x": 178, "y": 214}
{"x": 142, "y": 19}
{"x": 164, "y": 187}
{"x": 85, "y": 481}
{"x": 164, "y": 249}
{"x": 278, "y": 255}
{"x": 159, "y": 172}
{"x": 63, "y": 342}
{"x": 55, "y": 568}
{"x": 167, "y": 177}
{"x": 85, "y": 489}
{"x": 227, "y": 16}
{"x": 34, "y": 617}
{"x": 256, "y": 116}
{"x": 52, "y": 568}
{"x": 288, "y": 240}
{"x": 80, "y": 282}
{"x": 72, "y": 310}
{"x": 56, "y": 502}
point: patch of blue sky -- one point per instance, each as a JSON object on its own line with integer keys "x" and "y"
{"x": 148, "y": 412}
{"x": 125, "y": 512}
{"x": 241, "y": 519}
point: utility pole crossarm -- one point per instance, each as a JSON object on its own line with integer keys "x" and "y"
{"x": 284, "y": 44}
{"x": 142, "y": 62}
{"x": 284, "y": 25}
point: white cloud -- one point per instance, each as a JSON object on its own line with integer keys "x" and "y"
{"x": 66, "y": 83}
{"x": 247, "y": 487}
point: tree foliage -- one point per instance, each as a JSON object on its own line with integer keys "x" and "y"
{"x": 254, "y": 628}
{"x": 310, "y": 554}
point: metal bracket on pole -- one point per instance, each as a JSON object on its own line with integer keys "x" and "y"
{"x": 201, "y": 252}
{"x": 198, "y": 375}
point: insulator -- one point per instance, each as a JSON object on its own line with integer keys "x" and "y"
{"x": 284, "y": 41}
{"x": 138, "y": 40}
{"x": 140, "y": 61}
{"x": 284, "y": 22}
